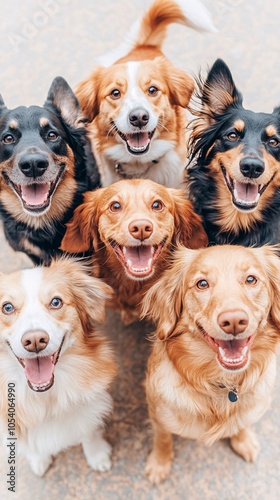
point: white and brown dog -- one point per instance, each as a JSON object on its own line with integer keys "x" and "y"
{"x": 135, "y": 103}
{"x": 60, "y": 366}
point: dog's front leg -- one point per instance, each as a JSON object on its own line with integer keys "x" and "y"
{"x": 245, "y": 443}
{"x": 159, "y": 462}
{"x": 39, "y": 462}
{"x": 97, "y": 451}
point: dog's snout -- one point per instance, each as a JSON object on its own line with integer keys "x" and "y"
{"x": 139, "y": 117}
{"x": 233, "y": 322}
{"x": 33, "y": 164}
{"x": 35, "y": 340}
{"x": 141, "y": 229}
{"x": 251, "y": 167}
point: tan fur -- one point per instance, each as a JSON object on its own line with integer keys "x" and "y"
{"x": 86, "y": 363}
{"x": 93, "y": 226}
{"x": 175, "y": 90}
{"x": 186, "y": 386}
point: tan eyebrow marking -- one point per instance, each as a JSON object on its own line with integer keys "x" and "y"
{"x": 44, "y": 121}
{"x": 239, "y": 125}
{"x": 271, "y": 130}
{"x": 13, "y": 123}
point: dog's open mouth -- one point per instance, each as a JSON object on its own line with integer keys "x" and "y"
{"x": 139, "y": 261}
{"x": 35, "y": 197}
{"x": 138, "y": 143}
{"x": 245, "y": 195}
{"x": 231, "y": 354}
{"x": 39, "y": 370}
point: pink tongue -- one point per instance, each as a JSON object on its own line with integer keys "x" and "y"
{"x": 139, "y": 140}
{"x": 35, "y": 194}
{"x": 232, "y": 348}
{"x": 39, "y": 370}
{"x": 139, "y": 256}
{"x": 246, "y": 192}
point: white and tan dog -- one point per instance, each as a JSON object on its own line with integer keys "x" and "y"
{"x": 136, "y": 102}
{"x": 60, "y": 366}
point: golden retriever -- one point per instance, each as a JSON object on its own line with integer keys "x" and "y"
{"x": 54, "y": 364}
{"x": 135, "y": 103}
{"x": 213, "y": 362}
{"x": 132, "y": 226}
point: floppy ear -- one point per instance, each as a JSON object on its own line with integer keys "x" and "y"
{"x": 90, "y": 293}
{"x": 163, "y": 303}
{"x": 271, "y": 262}
{"x": 62, "y": 98}
{"x": 82, "y": 230}
{"x": 189, "y": 230}
{"x": 87, "y": 93}
{"x": 180, "y": 84}
{"x": 219, "y": 90}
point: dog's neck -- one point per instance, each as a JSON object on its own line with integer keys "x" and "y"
{"x": 122, "y": 170}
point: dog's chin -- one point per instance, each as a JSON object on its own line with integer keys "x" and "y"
{"x": 245, "y": 195}
{"x": 138, "y": 143}
{"x": 35, "y": 197}
{"x": 138, "y": 261}
{"x": 39, "y": 370}
{"x": 233, "y": 354}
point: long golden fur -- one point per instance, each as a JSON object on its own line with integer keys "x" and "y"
{"x": 61, "y": 382}
{"x": 136, "y": 106}
{"x": 220, "y": 297}
{"x": 129, "y": 258}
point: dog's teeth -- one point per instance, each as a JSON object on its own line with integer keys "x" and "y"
{"x": 244, "y": 350}
{"x": 129, "y": 263}
{"x": 152, "y": 250}
{"x": 150, "y": 263}
{"x": 222, "y": 352}
{"x": 124, "y": 250}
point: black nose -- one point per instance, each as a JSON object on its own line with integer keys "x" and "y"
{"x": 251, "y": 167}
{"x": 33, "y": 164}
{"x": 139, "y": 117}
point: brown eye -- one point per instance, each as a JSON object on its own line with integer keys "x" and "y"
{"x": 52, "y": 136}
{"x": 273, "y": 142}
{"x": 8, "y": 308}
{"x": 251, "y": 280}
{"x": 232, "y": 136}
{"x": 8, "y": 139}
{"x": 153, "y": 90}
{"x": 202, "y": 284}
{"x": 115, "y": 94}
{"x": 56, "y": 303}
{"x": 115, "y": 206}
{"x": 157, "y": 205}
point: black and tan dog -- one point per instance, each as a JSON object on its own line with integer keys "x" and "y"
{"x": 235, "y": 179}
{"x": 45, "y": 167}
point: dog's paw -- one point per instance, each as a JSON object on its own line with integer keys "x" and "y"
{"x": 246, "y": 445}
{"x": 39, "y": 465}
{"x": 99, "y": 456}
{"x": 155, "y": 471}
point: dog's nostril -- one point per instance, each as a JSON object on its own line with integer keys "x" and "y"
{"x": 141, "y": 229}
{"x": 233, "y": 322}
{"x": 139, "y": 117}
{"x": 35, "y": 341}
{"x": 33, "y": 165}
{"x": 251, "y": 167}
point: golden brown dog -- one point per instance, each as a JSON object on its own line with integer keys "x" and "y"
{"x": 213, "y": 363}
{"x": 135, "y": 106}
{"x": 132, "y": 226}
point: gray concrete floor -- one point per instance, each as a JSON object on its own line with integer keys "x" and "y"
{"x": 42, "y": 39}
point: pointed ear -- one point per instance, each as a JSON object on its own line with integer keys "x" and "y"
{"x": 180, "y": 84}
{"x": 219, "y": 90}
{"x": 3, "y": 108}
{"x": 82, "y": 230}
{"x": 163, "y": 303}
{"x": 62, "y": 98}
{"x": 189, "y": 230}
{"x": 87, "y": 93}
